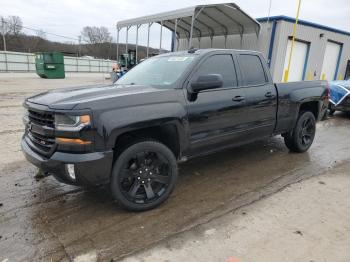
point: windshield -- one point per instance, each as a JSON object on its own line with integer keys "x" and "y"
{"x": 157, "y": 71}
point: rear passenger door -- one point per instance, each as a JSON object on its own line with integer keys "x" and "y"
{"x": 217, "y": 115}
{"x": 261, "y": 94}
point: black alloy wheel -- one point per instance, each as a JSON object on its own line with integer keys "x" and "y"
{"x": 144, "y": 175}
{"x": 303, "y": 134}
{"x": 307, "y": 131}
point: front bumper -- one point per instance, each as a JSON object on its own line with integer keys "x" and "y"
{"x": 90, "y": 168}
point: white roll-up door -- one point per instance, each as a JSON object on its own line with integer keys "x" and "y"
{"x": 299, "y": 58}
{"x": 330, "y": 61}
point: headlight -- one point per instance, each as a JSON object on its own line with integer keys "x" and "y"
{"x": 71, "y": 122}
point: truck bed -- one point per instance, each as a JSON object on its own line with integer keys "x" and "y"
{"x": 292, "y": 94}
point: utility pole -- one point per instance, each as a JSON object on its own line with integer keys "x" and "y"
{"x": 286, "y": 72}
{"x": 269, "y": 12}
{"x": 3, "y": 27}
{"x": 79, "y": 50}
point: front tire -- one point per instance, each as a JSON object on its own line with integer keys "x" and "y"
{"x": 144, "y": 175}
{"x": 303, "y": 134}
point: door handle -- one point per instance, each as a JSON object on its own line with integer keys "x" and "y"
{"x": 269, "y": 94}
{"x": 238, "y": 98}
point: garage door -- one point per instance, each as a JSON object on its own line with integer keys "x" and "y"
{"x": 298, "y": 62}
{"x": 330, "y": 61}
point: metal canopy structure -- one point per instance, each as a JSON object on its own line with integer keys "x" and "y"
{"x": 196, "y": 22}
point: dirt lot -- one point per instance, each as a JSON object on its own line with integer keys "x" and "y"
{"x": 245, "y": 202}
{"x": 308, "y": 221}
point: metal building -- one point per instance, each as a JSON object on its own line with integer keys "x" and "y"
{"x": 192, "y": 24}
{"x": 320, "y": 52}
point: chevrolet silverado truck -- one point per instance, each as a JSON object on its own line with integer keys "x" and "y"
{"x": 168, "y": 109}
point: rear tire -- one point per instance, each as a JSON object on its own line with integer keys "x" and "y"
{"x": 302, "y": 136}
{"x": 144, "y": 175}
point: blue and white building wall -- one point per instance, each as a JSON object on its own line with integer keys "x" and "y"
{"x": 320, "y": 52}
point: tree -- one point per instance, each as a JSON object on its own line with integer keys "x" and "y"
{"x": 96, "y": 35}
{"x": 14, "y": 25}
{"x": 40, "y": 33}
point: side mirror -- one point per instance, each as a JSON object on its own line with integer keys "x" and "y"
{"x": 205, "y": 82}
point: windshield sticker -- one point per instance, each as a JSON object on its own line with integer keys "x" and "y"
{"x": 178, "y": 58}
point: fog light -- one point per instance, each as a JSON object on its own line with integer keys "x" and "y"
{"x": 70, "y": 170}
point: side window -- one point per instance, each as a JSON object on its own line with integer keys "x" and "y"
{"x": 219, "y": 64}
{"x": 253, "y": 70}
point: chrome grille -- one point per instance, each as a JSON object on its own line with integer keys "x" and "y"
{"x": 42, "y": 142}
{"x": 41, "y": 118}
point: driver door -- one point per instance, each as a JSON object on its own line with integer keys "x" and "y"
{"x": 217, "y": 116}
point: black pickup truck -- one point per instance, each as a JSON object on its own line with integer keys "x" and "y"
{"x": 170, "y": 108}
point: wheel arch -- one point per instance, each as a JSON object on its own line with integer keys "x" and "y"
{"x": 169, "y": 133}
{"x": 312, "y": 106}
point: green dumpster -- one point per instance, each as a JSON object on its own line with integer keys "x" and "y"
{"x": 49, "y": 65}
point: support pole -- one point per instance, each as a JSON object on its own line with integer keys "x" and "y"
{"x": 118, "y": 43}
{"x": 126, "y": 40}
{"x": 191, "y": 33}
{"x": 149, "y": 27}
{"x": 161, "y": 36}
{"x": 286, "y": 72}
{"x": 126, "y": 47}
{"x": 175, "y": 42}
{"x": 225, "y": 41}
{"x": 211, "y": 41}
{"x": 137, "y": 41}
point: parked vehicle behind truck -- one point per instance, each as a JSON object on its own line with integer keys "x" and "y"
{"x": 168, "y": 109}
{"x": 339, "y": 97}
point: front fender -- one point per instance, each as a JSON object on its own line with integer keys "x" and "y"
{"x": 116, "y": 122}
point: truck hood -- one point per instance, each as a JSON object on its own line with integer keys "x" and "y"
{"x": 70, "y": 98}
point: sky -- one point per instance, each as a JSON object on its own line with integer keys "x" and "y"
{"x": 68, "y": 17}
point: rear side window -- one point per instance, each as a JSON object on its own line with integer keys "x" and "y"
{"x": 219, "y": 64}
{"x": 253, "y": 70}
